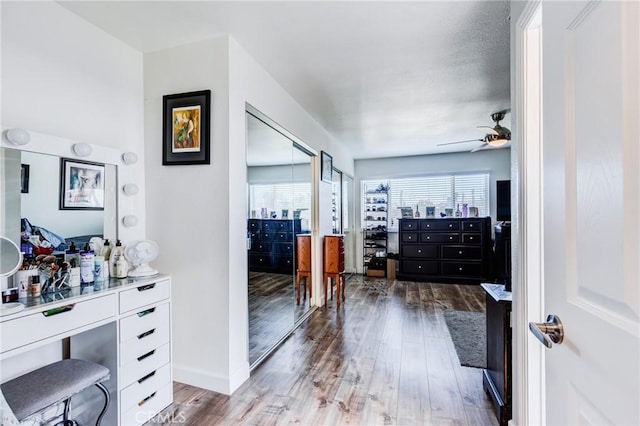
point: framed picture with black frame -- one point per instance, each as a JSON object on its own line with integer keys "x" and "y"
{"x": 81, "y": 185}
{"x": 186, "y": 128}
{"x": 326, "y": 167}
{"x": 24, "y": 179}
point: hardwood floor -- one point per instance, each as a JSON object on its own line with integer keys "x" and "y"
{"x": 272, "y": 310}
{"x": 384, "y": 357}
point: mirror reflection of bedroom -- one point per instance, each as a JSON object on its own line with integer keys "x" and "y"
{"x": 279, "y": 212}
{"x": 42, "y": 220}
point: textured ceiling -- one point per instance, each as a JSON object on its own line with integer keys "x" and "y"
{"x": 384, "y": 78}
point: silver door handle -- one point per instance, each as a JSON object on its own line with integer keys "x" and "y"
{"x": 549, "y": 332}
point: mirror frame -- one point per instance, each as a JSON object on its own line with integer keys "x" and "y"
{"x": 125, "y": 206}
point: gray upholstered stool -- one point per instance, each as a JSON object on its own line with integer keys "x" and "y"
{"x": 53, "y": 384}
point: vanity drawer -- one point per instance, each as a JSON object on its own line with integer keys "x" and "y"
{"x": 440, "y": 225}
{"x": 142, "y": 388}
{"x": 144, "y": 364}
{"x": 144, "y": 294}
{"x": 148, "y": 407}
{"x": 56, "y": 321}
{"x": 428, "y": 267}
{"x": 143, "y": 321}
{"x": 132, "y": 349}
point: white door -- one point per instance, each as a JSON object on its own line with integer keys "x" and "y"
{"x": 591, "y": 191}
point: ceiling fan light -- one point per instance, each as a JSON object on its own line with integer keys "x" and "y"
{"x": 498, "y": 142}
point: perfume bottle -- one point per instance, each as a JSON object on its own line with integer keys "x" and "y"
{"x": 458, "y": 212}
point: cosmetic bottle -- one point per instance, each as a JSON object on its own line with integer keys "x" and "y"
{"x": 106, "y": 249}
{"x": 87, "y": 265}
{"x": 122, "y": 267}
{"x": 116, "y": 253}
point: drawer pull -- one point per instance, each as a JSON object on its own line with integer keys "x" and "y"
{"x": 419, "y": 251}
{"x": 419, "y": 266}
{"x": 146, "y": 333}
{"x": 148, "y": 376}
{"x": 460, "y": 268}
{"x": 147, "y": 312}
{"x": 451, "y": 238}
{"x": 56, "y": 311}
{"x": 146, "y": 399}
{"x": 428, "y": 238}
{"x": 411, "y": 238}
{"x": 471, "y": 238}
{"x": 147, "y": 355}
{"x": 460, "y": 252}
{"x": 146, "y": 287}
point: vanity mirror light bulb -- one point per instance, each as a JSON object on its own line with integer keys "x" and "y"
{"x": 129, "y": 158}
{"x": 18, "y": 136}
{"x": 130, "y": 189}
{"x": 82, "y": 149}
{"x": 130, "y": 220}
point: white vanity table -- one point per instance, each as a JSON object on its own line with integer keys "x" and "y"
{"x": 122, "y": 324}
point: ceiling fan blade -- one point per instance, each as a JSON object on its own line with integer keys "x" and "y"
{"x": 481, "y": 147}
{"x": 451, "y": 143}
{"x": 491, "y": 129}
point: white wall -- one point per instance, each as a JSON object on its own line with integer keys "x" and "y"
{"x": 189, "y": 214}
{"x": 65, "y": 78}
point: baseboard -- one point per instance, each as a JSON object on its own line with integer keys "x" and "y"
{"x": 206, "y": 380}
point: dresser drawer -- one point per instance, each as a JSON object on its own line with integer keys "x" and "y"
{"x": 461, "y": 252}
{"x": 253, "y": 225}
{"x": 283, "y": 236}
{"x": 144, "y": 364}
{"x": 283, "y": 225}
{"x": 440, "y": 225}
{"x": 283, "y": 248}
{"x": 144, "y": 294}
{"x": 410, "y": 237}
{"x": 420, "y": 251}
{"x": 471, "y": 238}
{"x": 259, "y": 261}
{"x": 429, "y": 267}
{"x": 142, "y": 388}
{"x": 143, "y": 321}
{"x": 408, "y": 225}
{"x": 55, "y": 321}
{"x": 260, "y": 246}
{"x": 148, "y": 407}
{"x": 439, "y": 237}
{"x": 284, "y": 263}
{"x": 132, "y": 349}
{"x": 462, "y": 269}
{"x": 471, "y": 225}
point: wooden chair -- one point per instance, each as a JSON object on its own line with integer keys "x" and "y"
{"x": 334, "y": 271}
{"x": 303, "y": 256}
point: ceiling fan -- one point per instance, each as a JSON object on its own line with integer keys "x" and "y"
{"x": 497, "y": 137}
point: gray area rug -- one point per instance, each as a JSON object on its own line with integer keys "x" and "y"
{"x": 468, "y": 331}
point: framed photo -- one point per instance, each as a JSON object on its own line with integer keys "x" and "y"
{"x": 24, "y": 179}
{"x": 327, "y": 167}
{"x": 186, "y": 128}
{"x": 81, "y": 185}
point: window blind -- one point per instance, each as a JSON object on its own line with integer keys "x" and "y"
{"x": 440, "y": 191}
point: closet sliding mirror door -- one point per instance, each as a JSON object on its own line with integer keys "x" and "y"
{"x": 279, "y": 208}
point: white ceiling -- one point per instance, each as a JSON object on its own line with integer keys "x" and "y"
{"x": 384, "y": 78}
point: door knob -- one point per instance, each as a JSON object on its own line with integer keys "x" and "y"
{"x": 549, "y": 332}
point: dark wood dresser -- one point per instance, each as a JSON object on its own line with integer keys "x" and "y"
{"x": 334, "y": 266}
{"x": 272, "y": 244}
{"x": 445, "y": 250}
{"x": 496, "y": 379}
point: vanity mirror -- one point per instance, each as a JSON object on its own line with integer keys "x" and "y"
{"x": 40, "y": 205}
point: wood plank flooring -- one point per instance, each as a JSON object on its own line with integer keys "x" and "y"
{"x": 384, "y": 357}
{"x": 272, "y": 310}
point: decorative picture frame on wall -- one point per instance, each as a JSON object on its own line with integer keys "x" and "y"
{"x": 326, "y": 167}
{"x": 24, "y": 178}
{"x": 81, "y": 185}
{"x": 186, "y": 128}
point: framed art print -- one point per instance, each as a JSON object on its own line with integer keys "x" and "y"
{"x": 326, "y": 167}
{"x": 186, "y": 128}
{"x": 81, "y": 185}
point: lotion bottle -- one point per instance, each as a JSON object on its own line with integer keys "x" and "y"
{"x": 116, "y": 253}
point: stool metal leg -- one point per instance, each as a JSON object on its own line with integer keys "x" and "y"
{"x": 105, "y": 391}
